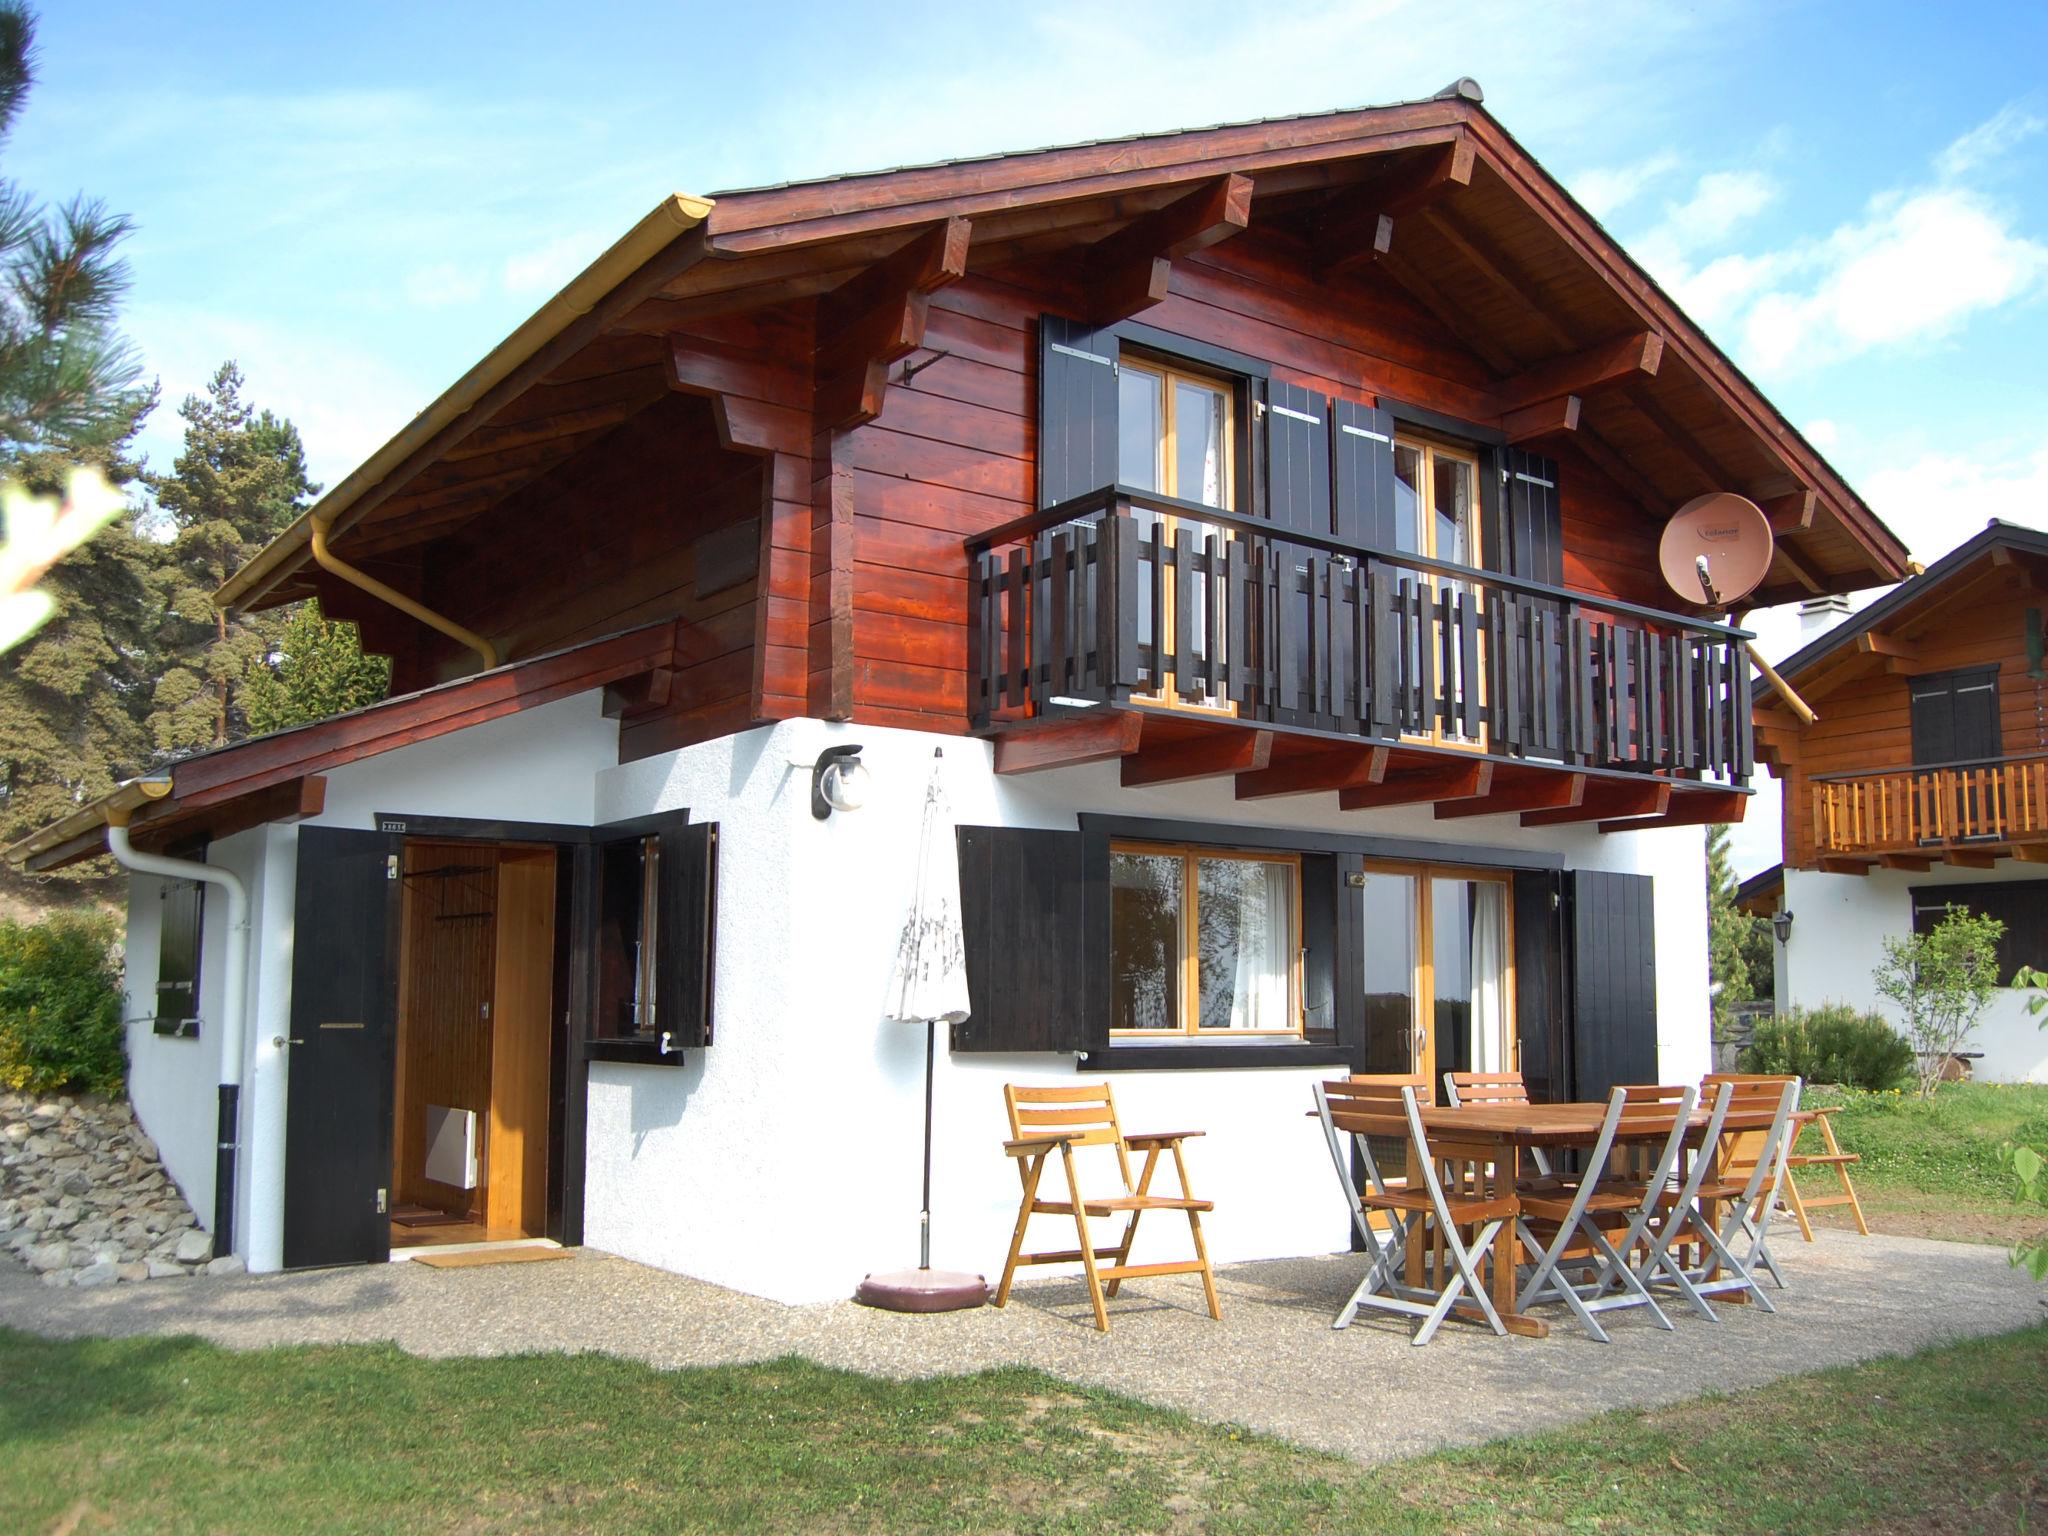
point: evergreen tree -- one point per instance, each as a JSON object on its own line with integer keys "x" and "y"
{"x": 317, "y": 670}
{"x": 1736, "y": 942}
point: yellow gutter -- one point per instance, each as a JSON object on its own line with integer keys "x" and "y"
{"x": 111, "y": 809}
{"x": 675, "y": 216}
{"x": 334, "y": 566}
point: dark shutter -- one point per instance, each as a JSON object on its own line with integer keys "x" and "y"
{"x": 1544, "y": 1049}
{"x": 2022, "y": 905}
{"x": 1613, "y": 982}
{"x": 1319, "y": 947}
{"x": 1532, "y": 519}
{"x": 1955, "y": 717}
{"x": 1077, "y": 394}
{"x": 1362, "y": 460}
{"x": 1297, "y": 458}
{"x": 686, "y": 900}
{"x": 177, "y": 963}
{"x": 1034, "y": 907}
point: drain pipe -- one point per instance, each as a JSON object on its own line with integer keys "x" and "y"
{"x": 334, "y": 565}
{"x": 234, "y": 1021}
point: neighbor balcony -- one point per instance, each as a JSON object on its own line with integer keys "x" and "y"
{"x": 1470, "y": 685}
{"x": 1957, "y": 813}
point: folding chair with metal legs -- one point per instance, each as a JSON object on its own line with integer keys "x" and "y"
{"x": 1356, "y": 1110}
{"x": 1682, "y": 1210}
{"x": 1749, "y": 1203}
{"x": 1602, "y": 1203}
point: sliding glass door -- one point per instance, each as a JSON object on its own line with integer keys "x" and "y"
{"x": 1438, "y": 971}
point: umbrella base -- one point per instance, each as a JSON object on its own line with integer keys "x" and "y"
{"x": 922, "y": 1290}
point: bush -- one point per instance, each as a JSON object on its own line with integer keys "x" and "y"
{"x": 1831, "y": 1044}
{"x": 60, "y": 1006}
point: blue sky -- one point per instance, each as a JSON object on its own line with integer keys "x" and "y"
{"x": 356, "y": 202}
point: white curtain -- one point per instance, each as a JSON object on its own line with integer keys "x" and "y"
{"x": 1263, "y": 975}
{"x": 1489, "y": 975}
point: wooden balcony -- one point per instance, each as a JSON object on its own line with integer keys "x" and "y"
{"x": 1963, "y": 813}
{"x": 1121, "y": 601}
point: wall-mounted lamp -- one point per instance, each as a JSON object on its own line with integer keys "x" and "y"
{"x": 839, "y": 781}
{"x": 1781, "y": 926}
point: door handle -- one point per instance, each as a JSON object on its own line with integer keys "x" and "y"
{"x": 281, "y": 1042}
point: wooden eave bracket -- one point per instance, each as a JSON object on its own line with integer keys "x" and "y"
{"x": 1129, "y": 271}
{"x": 1606, "y": 366}
{"x": 1448, "y": 781}
{"x": 872, "y": 320}
{"x": 1694, "y": 808}
{"x": 1363, "y": 231}
{"x": 1094, "y": 737}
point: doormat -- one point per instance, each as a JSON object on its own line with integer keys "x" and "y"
{"x": 420, "y": 1216}
{"x": 488, "y": 1256}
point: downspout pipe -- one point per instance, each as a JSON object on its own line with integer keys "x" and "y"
{"x": 334, "y": 565}
{"x": 234, "y": 1032}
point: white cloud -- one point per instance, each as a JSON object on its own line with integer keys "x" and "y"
{"x": 1937, "y": 501}
{"x": 1822, "y": 433}
{"x": 2010, "y": 125}
{"x": 1605, "y": 190}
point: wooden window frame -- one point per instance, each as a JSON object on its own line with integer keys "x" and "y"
{"x": 1424, "y": 978}
{"x": 1166, "y": 474}
{"x": 1432, "y": 449}
{"x": 1191, "y": 856}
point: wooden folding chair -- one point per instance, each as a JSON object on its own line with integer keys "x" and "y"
{"x": 1461, "y": 1088}
{"x": 1045, "y": 1121}
{"x": 1354, "y": 1113}
{"x": 1799, "y": 1201}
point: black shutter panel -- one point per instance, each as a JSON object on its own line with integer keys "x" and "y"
{"x": 177, "y": 966}
{"x": 1319, "y": 947}
{"x": 1077, "y": 394}
{"x": 1297, "y": 458}
{"x": 1613, "y": 982}
{"x": 1533, "y": 519}
{"x": 686, "y": 902}
{"x": 1934, "y": 721}
{"x": 1544, "y": 1053}
{"x": 1034, "y": 908}
{"x": 1362, "y": 459}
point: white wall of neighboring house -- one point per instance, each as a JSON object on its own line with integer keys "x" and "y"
{"x": 785, "y": 1159}
{"x": 1839, "y": 924}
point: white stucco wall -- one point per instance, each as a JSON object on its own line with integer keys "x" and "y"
{"x": 1839, "y": 924}
{"x": 785, "y": 1159}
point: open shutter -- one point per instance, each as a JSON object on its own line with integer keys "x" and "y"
{"x": 1362, "y": 460}
{"x": 177, "y": 966}
{"x": 1297, "y": 443}
{"x": 1543, "y": 1047}
{"x": 1077, "y": 394}
{"x": 1613, "y": 982}
{"x": 1532, "y": 519}
{"x": 1034, "y": 908}
{"x": 686, "y": 900}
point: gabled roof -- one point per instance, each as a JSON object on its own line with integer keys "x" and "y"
{"x": 277, "y": 777}
{"x": 1901, "y": 603}
{"x": 1510, "y": 265}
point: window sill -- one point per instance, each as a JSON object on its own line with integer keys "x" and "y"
{"x": 645, "y": 1053}
{"x": 1182, "y": 1058}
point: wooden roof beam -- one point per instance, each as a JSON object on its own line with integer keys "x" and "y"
{"x": 871, "y": 320}
{"x": 1500, "y": 272}
{"x": 1610, "y": 461}
{"x": 1231, "y": 750}
{"x": 1624, "y": 360}
{"x": 1792, "y": 514}
{"x": 1344, "y": 768}
{"x": 1606, "y": 801}
{"x": 1551, "y": 791}
{"x": 1454, "y": 321}
{"x": 1363, "y": 231}
{"x": 1130, "y": 270}
{"x": 1801, "y": 572}
{"x": 1549, "y": 418}
{"x": 1097, "y": 736}
{"x": 1694, "y": 808}
{"x": 1447, "y": 781}
{"x": 1699, "y": 460}
{"x": 1873, "y": 644}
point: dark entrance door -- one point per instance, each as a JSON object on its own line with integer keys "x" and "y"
{"x": 338, "y": 1103}
{"x": 1956, "y": 730}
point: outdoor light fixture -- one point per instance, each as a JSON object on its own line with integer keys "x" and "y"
{"x": 1781, "y": 925}
{"x": 839, "y": 781}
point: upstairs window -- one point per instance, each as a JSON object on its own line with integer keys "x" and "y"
{"x": 179, "y": 931}
{"x": 1175, "y": 433}
{"x": 1436, "y": 493}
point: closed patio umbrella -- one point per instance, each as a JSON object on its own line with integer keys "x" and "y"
{"x": 929, "y": 985}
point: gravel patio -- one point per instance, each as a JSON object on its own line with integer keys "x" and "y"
{"x": 1273, "y": 1364}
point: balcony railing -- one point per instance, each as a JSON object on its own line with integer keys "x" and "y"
{"x": 1124, "y": 597}
{"x": 1914, "y": 809}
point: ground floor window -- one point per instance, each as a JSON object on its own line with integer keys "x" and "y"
{"x": 1204, "y": 942}
{"x": 628, "y": 922}
{"x": 1438, "y": 961}
{"x": 177, "y": 958}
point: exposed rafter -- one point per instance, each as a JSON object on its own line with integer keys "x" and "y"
{"x": 1448, "y": 781}
{"x": 1339, "y": 769}
{"x": 1549, "y": 790}
{"x": 1200, "y": 757}
{"x": 1362, "y": 229}
{"x": 1130, "y": 270}
{"x": 1624, "y": 360}
{"x": 1694, "y": 808}
{"x": 1095, "y": 737}
{"x": 1605, "y": 801}
{"x": 1792, "y": 514}
{"x": 873, "y": 319}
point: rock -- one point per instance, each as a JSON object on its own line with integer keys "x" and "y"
{"x": 134, "y": 1269}
{"x": 105, "y": 1272}
{"x": 45, "y": 1257}
{"x": 193, "y": 1246}
{"x": 57, "y": 1277}
{"x": 230, "y": 1264}
{"x": 165, "y": 1269}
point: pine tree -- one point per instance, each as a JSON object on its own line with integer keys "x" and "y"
{"x": 1733, "y": 936}
{"x": 317, "y": 670}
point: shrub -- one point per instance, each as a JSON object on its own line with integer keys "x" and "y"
{"x": 60, "y": 1006}
{"x": 1831, "y": 1044}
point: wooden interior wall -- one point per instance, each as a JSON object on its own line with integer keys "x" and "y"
{"x": 952, "y": 451}
{"x": 517, "y": 1140}
{"x": 1866, "y": 721}
{"x": 447, "y": 957}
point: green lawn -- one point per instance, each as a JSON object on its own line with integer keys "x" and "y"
{"x": 176, "y": 1435}
{"x": 1933, "y": 1167}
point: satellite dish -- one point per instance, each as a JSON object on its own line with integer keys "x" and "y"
{"x": 1716, "y": 549}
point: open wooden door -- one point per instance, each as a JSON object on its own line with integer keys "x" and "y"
{"x": 338, "y": 1096}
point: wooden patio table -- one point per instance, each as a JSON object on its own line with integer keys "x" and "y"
{"x": 1499, "y": 1133}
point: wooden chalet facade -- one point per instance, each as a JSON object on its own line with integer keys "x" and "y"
{"x": 1261, "y": 519}
{"x": 1922, "y": 782}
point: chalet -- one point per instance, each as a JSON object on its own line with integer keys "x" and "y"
{"x": 1920, "y": 785}
{"x": 1260, "y": 519}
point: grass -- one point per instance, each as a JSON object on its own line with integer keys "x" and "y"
{"x": 178, "y": 1435}
{"x": 1934, "y": 1167}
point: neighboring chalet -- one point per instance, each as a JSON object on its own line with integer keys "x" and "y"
{"x": 1263, "y": 521}
{"x": 1921, "y": 785}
